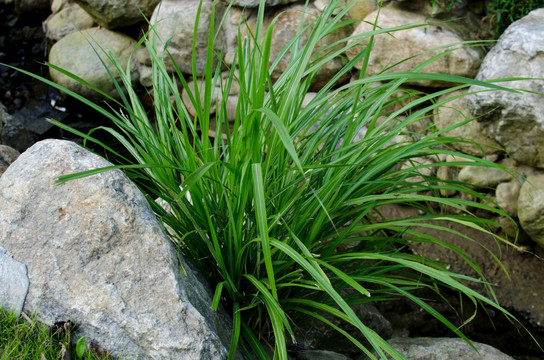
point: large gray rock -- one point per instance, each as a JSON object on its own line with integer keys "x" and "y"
{"x": 116, "y": 13}
{"x": 175, "y": 22}
{"x": 96, "y": 255}
{"x": 14, "y": 280}
{"x": 531, "y": 208}
{"x": 416, "y": 45}
{"x": 75, "y": 53}
{"x": 456, "y": 111}
{"x": 516, "y": 121}
{"x": 69, "y": 19}
{"x": 445, "y": 349}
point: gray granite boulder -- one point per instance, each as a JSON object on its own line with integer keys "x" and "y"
{"x": 515, "y": 120}
{"x": 96, "y": 255}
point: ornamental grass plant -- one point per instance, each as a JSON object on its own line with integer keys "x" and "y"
{"x": 282, "y": 213}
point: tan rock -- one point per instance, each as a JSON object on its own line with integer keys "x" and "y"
{"x": 7, "y": 156}
{"x": 483, "y": 176}
{"x": 175, "y": 22}
{"x": 415, "y": 44}
{"x": 531, "y": 208}
{"x": 66, "y": 21}
{"x": 455, "y": 112}
{"x": 117, "y": 13}
{"x": 75, "y": 54}
{"x": 507, "y": 194}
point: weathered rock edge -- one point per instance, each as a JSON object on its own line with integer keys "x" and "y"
{"x": 97, "y": 256}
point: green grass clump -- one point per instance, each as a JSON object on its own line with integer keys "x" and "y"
{"x": 282, "y": 213}
{"x": 27, "y": 339}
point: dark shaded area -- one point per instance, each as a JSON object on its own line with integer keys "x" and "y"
{"x": 29, "y": 102}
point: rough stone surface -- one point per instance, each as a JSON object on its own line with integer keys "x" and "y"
{"x": 175, "y": 21}
{"x": 515, "y": 120}
{"x": 531, "y": 208}
{"x": 444, "y": 349}
{"x": 68, "y": 20}
{"x": 14, "y": 280}
{"x": 96, "y": 255}
{"x": 285, "y": 28}
{"x": 388, "y": 50}
{"x": 31, "y": 7}
{"x": 456, "y": 111}
{"x": 75, "y": 53}
{"x": 483, "y": 176}
{"x": 7, "y": 156}
{"x": 507, "y": 194}
{"x": 116, "y": 13}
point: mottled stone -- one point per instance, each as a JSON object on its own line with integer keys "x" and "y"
{"x": 515, "y": 119}
{"x": 96, "y": 255}
{"x": 456, "y": 111}
{"x": 14, "y": 280}
{"x": 75, "y": 54}
{"x": 531, "y": 208}
{"x": 175, "y": 22}
{"x": 285, "y": 28}
{"x": 483, "y": 176}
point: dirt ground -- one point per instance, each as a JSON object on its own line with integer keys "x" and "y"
{"x": 521, "y": 292}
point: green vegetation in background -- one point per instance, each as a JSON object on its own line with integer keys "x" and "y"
{"x": 282, "y": 213}
{"x": 27, "y": 339}
{"x": 500, "y": 13}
